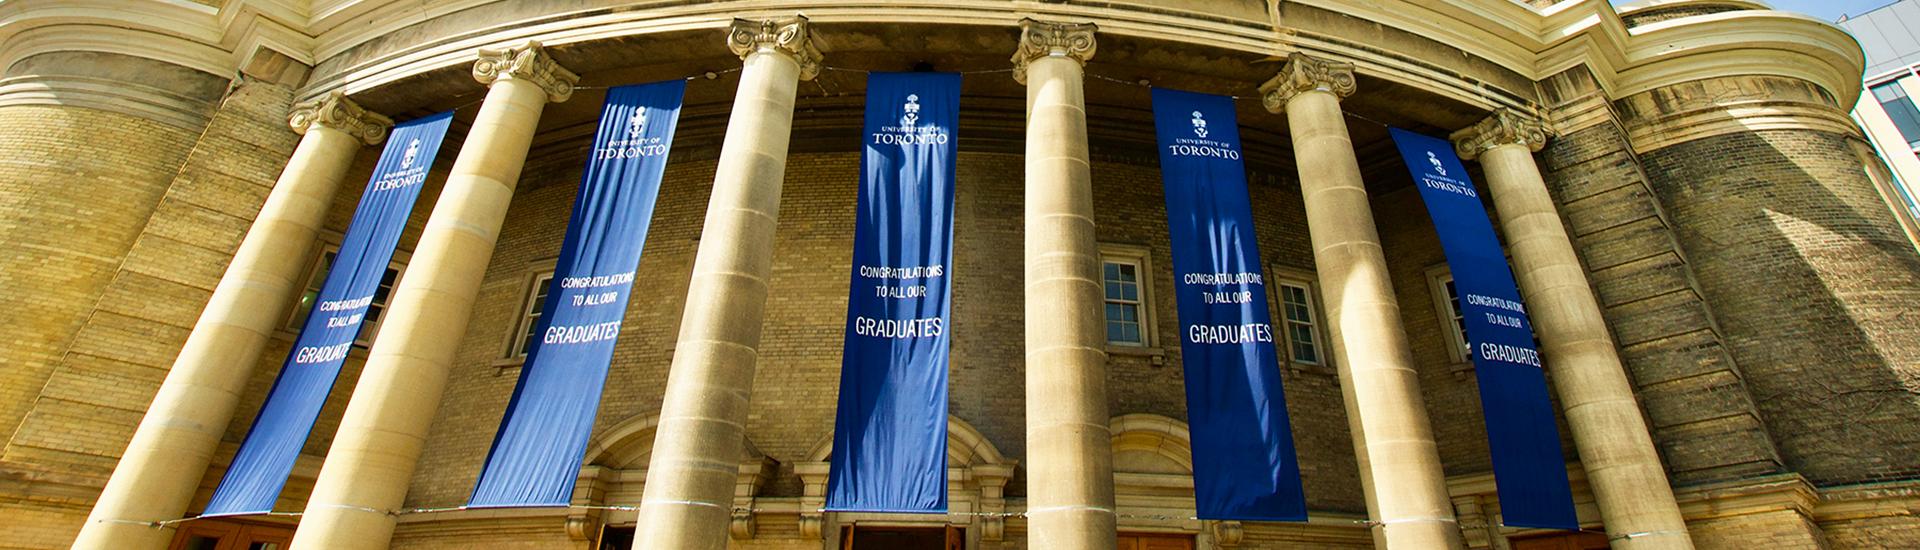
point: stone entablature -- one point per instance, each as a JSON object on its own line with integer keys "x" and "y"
{"x": 354, "y": 45}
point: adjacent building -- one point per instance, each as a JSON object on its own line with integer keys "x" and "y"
{"x": 1887, "y": 111}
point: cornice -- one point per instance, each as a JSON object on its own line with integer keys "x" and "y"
{"x": 187, "y": 34}
{"x": 1531, "y": 42}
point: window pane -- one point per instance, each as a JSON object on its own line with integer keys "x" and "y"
{"x": 536, "y": 307}
{"x": 1130, "y": 292}
{"x": 1901, "y": 109}
{"x": 1113, "y": 291}
{"x": 1127, "y": 273}
{"x": 1459, "y": 319}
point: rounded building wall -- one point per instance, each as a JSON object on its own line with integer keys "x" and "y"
{"x": 1652, "y": 183}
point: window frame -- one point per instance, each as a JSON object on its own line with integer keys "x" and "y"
{"x": 1322, "y": 338}
{"x": 329, "y": 243}
{"x": 537, "y": 280}
{"x": 1141, "y": 258}
{"x": 1892, "y": 107}
{"x": 1450, "y": 316}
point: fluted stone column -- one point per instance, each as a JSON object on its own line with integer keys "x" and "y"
{"x": 164, "y": 462}
{"x": 1400, "y": 471}
{"x": 696, "y": 449}
{"x": 1069, "y": 454}
{"x": 1623, "y": 467}
{"x": 371, "y": 462}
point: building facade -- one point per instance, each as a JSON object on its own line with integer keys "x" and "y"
{"x": 1887, "y": 112}
{"x": 1723, "y": 296}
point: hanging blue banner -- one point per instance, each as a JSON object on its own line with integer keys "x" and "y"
{"x": 1528, "y": 468}
{"x": 537, "y": 453}
{"x": 890, "y": 432}
{"x": 1244, "y": 466}
{"x": 265, "y": 459}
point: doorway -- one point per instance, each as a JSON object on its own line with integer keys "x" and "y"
{"x": 858, "y": 537}
{"x": 231, "y": 535}
{"x": 1155, "y": 541}
{"x": 1563, "y": 541}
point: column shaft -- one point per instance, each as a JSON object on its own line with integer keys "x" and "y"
{"x": 1069, "y": 455}
{"x": 1399, "y": 464}
{"x": 1622, "y": 465}
{"x": 372, "y": 460}
{"x": 169, "y": 453}
{"x": 696, "y": 451}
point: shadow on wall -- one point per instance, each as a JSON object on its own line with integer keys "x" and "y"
{"x": 1814, "y": 288}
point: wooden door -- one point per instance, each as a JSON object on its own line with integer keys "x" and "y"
{"x": 231, "y": 535}
{"x": 956, "y": 538}
{"x": 1568, "y": 541}
{"x": 1145, "y": 541}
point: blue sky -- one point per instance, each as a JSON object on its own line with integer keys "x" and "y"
{"x": 1825, "y": 9}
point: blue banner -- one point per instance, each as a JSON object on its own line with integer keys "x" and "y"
{"x": 1527, "y": 464}
{"x": 265, "y": 459}
{"x": 890, "y": 432}
{"x": 1244, "y": 466}
{"x": 537, "y": 453}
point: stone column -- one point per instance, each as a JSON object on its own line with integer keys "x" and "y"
{"x": 696, "y": 450}
{"x": 1069, "y": 455}
{"x": 1623, "y": 467}
{"x": 371, "y": 462}
{"x": 164, "y": 462}
{"x": 1400, "y": 471}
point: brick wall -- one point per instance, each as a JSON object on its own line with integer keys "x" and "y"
{"x": 1814, "y": 287}
{"x": 1698, "y": 407}
{"x": 77, "y": 186}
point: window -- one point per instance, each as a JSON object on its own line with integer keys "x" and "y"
{"x": 1300, "y": 315}
{"x": 1126, "y": 279}
{"x": 1893, "y": 98}
{"x": 317, "y": 278}
{"x": 1446, "y": 300}
{"x": 531, "y": 308}
{"x": 1122, "y": 281}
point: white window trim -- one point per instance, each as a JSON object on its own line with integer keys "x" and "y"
{"x": 1322, "y": 338}
{"x": 1437, "y": 278}
{"x": 1141, "y": 258}
{"x": 516, "y": 342}
{"x": 330, "y": 244}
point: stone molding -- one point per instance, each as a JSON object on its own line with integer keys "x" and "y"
{"x": 1305, "y": 73}
{"x": 1705, "y": 108}
{"x": 1504, "y": 127}
{"x": 337, "y": 112}
{"x": 527, "y": 62}
{"x": 115, "y": 96}
{"x": 786, "y": 35}
{"x": 1052, "y": 39}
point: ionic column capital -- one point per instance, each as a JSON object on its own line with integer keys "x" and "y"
{"x": 337, "y": 112}
{"x": 1040, "y": 39}
{"x": 1504, "y": 127}
{"x": 1305, "y": 73}
{"x": 527, "y": 62}
{"x": 786, "y": 35}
